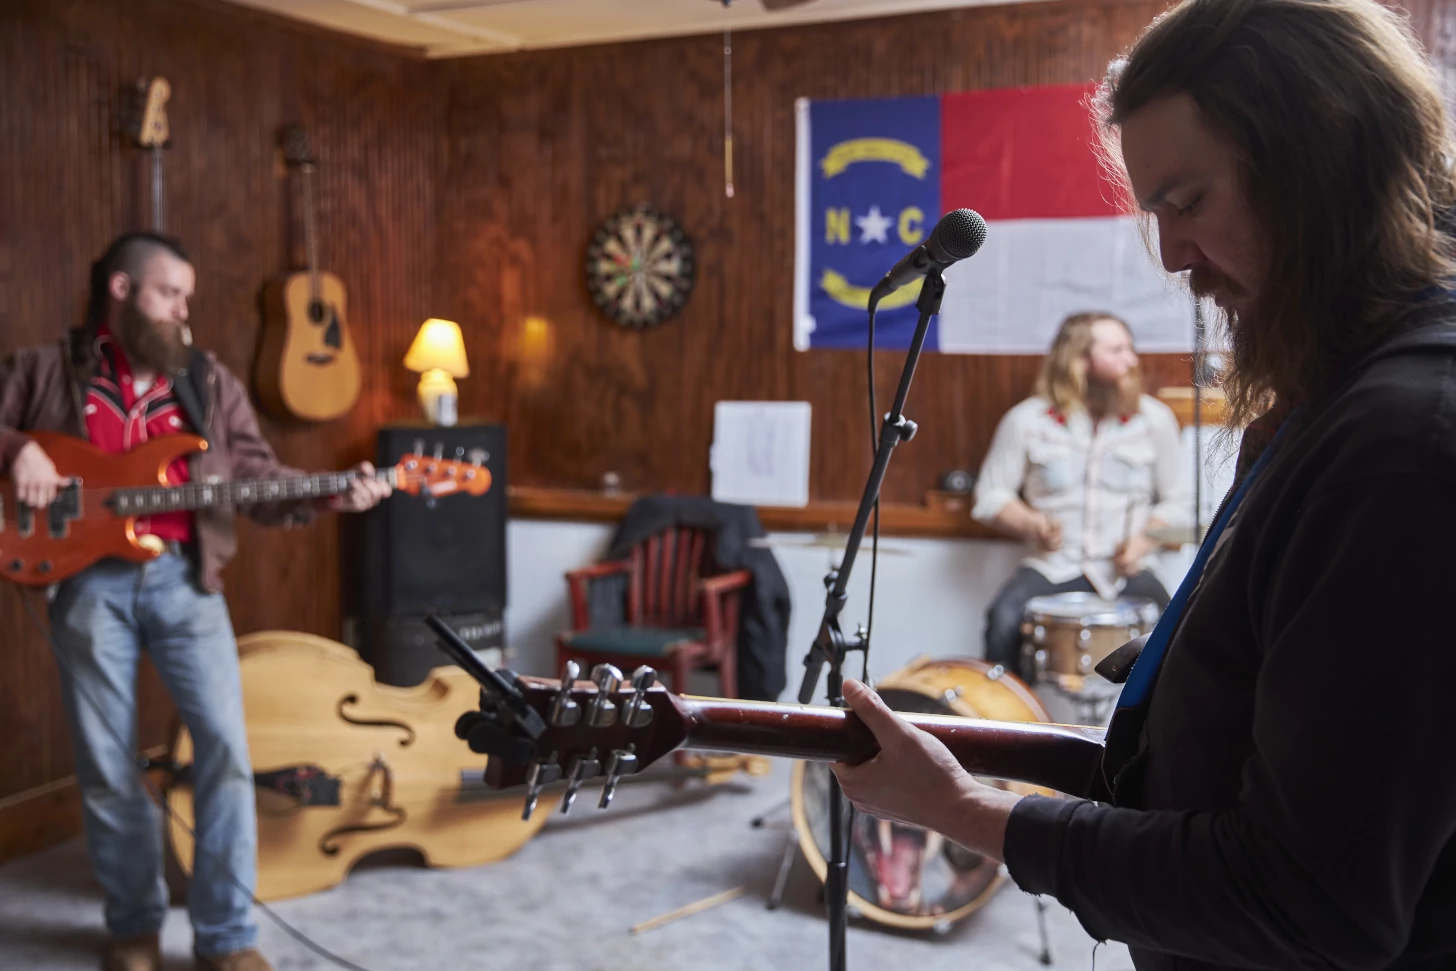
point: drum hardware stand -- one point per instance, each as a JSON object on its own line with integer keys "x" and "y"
{"x": 1045, "y": 957}
{"x": 830, "y": 645}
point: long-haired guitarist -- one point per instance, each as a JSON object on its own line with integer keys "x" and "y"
{"x": 128, "y": 375}
{"x": 1278, "y": 773}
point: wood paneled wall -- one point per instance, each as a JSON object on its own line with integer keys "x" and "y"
{"x": 71, "y": 182}
{"x": 542, "y": 146}
{"x": 469, "y": 189}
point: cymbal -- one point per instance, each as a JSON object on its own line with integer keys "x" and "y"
{"x": 828, "y": 541}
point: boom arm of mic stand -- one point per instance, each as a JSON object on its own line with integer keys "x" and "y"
{"x": 830, "y": 646}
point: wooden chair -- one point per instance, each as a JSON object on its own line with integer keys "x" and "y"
{"x": 665, "y": 605}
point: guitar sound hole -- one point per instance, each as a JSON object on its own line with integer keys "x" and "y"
{"x": 317, "y": 311}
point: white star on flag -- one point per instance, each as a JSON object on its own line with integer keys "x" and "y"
{"x": 873, "y": 226}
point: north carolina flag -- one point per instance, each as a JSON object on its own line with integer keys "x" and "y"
{"x": 874, "y": 176}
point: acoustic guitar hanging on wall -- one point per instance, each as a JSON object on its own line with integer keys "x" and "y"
{"x": 307, "y": 365}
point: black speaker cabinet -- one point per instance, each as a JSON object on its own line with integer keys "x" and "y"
{"x": 416, "y": 555}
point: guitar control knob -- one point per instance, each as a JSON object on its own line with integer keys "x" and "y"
{"x": 603, "y": 711}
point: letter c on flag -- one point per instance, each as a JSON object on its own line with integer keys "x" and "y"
{"x": 912, "y": 225}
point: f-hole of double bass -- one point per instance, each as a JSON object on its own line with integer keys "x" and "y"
{"x": 352, "y": 699}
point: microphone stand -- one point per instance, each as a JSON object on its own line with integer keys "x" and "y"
{"x": 830, "y": 645}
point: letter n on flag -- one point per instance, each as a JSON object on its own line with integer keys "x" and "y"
{"x": 874, "y": 176}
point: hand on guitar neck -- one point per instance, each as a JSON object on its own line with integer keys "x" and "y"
{"x": 365, "y": 492}
{"x": 916, "y": 780}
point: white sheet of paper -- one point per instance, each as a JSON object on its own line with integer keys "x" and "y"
{"x": 760, "y": 452}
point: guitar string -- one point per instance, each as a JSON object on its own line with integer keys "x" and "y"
{"x": 103, "y": 500}
{"x": 156, "y": 796}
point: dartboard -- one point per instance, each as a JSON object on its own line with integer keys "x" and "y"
{"x": 639, "y": 267}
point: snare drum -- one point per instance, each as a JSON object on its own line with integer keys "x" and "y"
{"x": 901, "y": 875}
{"x": 1065, "y": 635}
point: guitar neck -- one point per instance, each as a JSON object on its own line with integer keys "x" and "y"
{"x": 146, "y": 500}
{"x": 310, "y": 240}
{"x": 1061, "y": 757}
{"x": 159, "y": 224}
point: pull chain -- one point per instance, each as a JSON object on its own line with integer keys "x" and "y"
{"x": 728, "y": 113}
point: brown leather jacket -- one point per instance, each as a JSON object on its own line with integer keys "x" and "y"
{"x": 42, "y": 389}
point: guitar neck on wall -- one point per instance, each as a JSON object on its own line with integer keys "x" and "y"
{"x": 152, "y": 132}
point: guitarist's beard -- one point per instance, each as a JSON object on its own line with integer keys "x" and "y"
{"x": 158, "y": 345}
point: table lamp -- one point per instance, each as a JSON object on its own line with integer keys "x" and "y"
{"x": 438, "y": 353}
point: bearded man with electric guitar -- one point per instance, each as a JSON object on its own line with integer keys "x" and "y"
{"x": 129, "y": 376}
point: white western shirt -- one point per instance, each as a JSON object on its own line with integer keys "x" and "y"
{"x": 1102, "y": 482}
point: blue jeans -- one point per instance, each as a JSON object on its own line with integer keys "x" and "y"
{"x": 101, "y": 620}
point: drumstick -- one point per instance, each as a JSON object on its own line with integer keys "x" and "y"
{"x": 692, "y": 908}
{"x": 1127, "y": 523}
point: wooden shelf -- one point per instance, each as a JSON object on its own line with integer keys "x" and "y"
{"x": 941, "y": 521}
{"x": 1213, "y": 406}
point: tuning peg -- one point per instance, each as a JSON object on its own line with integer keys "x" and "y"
{"x": 459, "y": 452}
{"x": 621, "y": 762}
{"x": 579, "y": 771}
{"x": 635, "y": 713}
{"x": 439, "y": 450}
{"x": 419, "y": 448}
{"x": 478, "y": 456}
{"x": 603, "y": 710}
{"x": 538, "y": 777}
{"x": 564, "y": 711}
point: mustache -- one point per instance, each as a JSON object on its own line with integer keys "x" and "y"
{"x": 1205, "y": 281}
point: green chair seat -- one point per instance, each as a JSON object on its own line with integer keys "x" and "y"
{"x": 636, "y": 641}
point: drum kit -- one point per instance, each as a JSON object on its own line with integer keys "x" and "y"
{"x": 912, "y": 879}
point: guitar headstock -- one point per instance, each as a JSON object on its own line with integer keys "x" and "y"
{"x": 434, "y": 476}
{"x": 605, "y": 728}
{"x": 297, "y": 151}
{"x": 152, "y": 130}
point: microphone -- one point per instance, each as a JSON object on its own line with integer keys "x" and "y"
{"x": 958, "y": 235}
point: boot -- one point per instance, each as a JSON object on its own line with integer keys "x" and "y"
{"x": 246, "y": 960}
{"x": 140, "y": 953}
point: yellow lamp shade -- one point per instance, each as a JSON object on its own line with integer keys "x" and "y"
{"x": 438, "y": 346}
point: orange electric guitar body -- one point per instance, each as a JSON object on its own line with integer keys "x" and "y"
{"x": 41, "y": 546}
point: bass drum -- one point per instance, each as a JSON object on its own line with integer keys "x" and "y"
{"x": 905, "y": 876}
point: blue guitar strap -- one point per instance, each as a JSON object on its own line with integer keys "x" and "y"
{"x": 1138, "y": 688}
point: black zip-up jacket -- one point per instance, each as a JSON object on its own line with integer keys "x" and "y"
{"x": 1292, "y": 799}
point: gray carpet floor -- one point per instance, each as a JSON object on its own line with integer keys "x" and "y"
{"x": 566, "y": 901}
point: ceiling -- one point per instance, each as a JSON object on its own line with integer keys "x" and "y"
{"x": 452, "y": 28}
